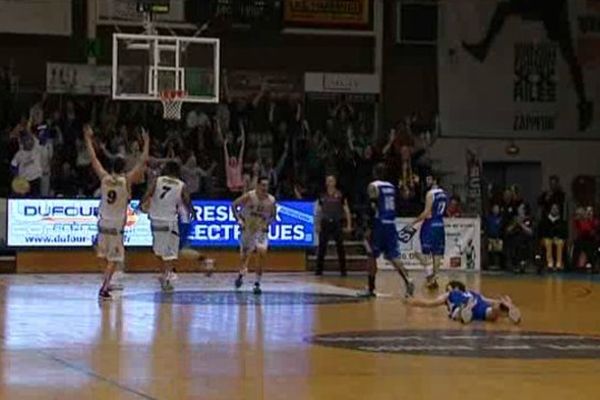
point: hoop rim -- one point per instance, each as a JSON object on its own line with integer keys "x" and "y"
{"x": 172, "y": 94}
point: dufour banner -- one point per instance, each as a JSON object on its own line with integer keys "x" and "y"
{"x": 463, "y": 245}
{"x": 520, "y": 68}
{"x": 73, "y": 223}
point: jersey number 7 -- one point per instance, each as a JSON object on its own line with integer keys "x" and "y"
{"x": 165, "y": 190}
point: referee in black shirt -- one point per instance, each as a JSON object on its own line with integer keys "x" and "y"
{"x": 331, "y": 211}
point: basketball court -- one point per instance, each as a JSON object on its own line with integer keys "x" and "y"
{"x": 305, "y": 338}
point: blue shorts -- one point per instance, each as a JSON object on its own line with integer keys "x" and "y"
{"x": 433, "y": 238}
{"x": 384, "y": 240}
{"x": 480, "y": 310}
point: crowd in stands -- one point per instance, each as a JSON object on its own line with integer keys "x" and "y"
{"x": 222, "y": 149}
{"x": 549, "y": 240}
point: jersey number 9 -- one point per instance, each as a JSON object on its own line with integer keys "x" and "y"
{"x": 111, "y": 197}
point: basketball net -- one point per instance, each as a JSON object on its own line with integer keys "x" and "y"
{"x": 171, "y": 101}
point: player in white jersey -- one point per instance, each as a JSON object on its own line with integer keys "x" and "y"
{"x": 166, "y": 200}
{"x": 112, "y": 214}
{"x": 254, "y": 211}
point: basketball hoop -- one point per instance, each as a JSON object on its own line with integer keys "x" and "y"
{"x": 172, "y": 101}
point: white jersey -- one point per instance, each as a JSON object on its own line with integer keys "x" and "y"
{"x": 257, "y": 212}
{"x": 114, "y": 198}
{"x": 167, "y": 199}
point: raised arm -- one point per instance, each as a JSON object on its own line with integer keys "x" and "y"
{"x": 260, "y": 95}
{"x": 138, "y": 171}
{"x": 281, "y": 161}
{"x": 147, "y": 198}
{"x": 88, "y": 134}
{"x": 241, "y": 156}
{"x": 389, "y": 144}
{"x": 350, "y": 137}
{"x": 348, "y": 216}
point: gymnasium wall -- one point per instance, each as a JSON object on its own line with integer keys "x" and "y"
{"x": 567, "y": 159}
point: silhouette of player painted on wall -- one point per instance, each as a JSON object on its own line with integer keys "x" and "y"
{"x": 555, "y": 17}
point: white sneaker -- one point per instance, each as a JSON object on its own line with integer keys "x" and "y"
{"x": 466, "y": 312}
{"x": 514, "y": 314}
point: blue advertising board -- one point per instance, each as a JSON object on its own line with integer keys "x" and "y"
{"x": 72, "y": 223}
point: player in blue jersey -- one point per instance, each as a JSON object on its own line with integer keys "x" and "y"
{"x": 466, "y": 305}
{"x": 433, "y": 235}
{"x": 382, "y": 236}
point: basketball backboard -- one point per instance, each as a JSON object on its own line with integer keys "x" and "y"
{"x": 144, "y": 65}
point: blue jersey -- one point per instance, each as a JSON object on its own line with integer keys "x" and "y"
{"x": 433, "y": 236}
{"x": 384, "y": 237}
{"x": 439, "y": 205}
{"x": 457, "y": 299}
{"x": 385, "y": 211}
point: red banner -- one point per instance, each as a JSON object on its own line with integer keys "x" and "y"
{"x": 328, "y": 13}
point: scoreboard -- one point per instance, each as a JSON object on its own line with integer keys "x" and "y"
{"x": 154, "y": 6}
{"x": 258, "y": 14}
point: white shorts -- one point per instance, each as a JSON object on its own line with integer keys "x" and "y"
{"x": 110, "y": 241}
{"x": 165, "y": 240}
{"x": 252, "y": 241}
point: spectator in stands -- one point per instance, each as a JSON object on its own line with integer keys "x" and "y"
{"x": 494, "y": 230}
{"x": 72, "y": 130}
{"x": 554, "y": 195}
{"x": 398, "y": 152}
{"x": 65, "y": 182}
{"x": 234, "y": 165}
{"x": 585, "y": 249}
{"x": 274, "y": 172}
{"x": 518, "y": 239}
{"x": 251, "y": 177}
{"x": 553, "y": 232}
{"x": 207, "y": 167}
{"x": 408, "y": 203}
{"x": 27, "y": 162}
{"x": 47, "y": 152}
{"x": 510, "y": 204}
{"x": 454, "y": 209}
{"x": 363, "y": 174}
{"x": 190, "y": 171}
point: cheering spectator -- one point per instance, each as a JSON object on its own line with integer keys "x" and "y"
{"x": 519, "y": 238}
{"x": 234, "y": 166}
{"x": 586, "y": 238}
{"x": 494, "y": 225}
{"x": 553, "y": 232}
{"x": 189, "y": 171}
{"x": 553, "y": 196}
{"x": 27, "y": 163}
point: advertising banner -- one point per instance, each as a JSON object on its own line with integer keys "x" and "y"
{"x": 322, "y": 82}
{"x": 520, "y": 68}
{"x": 62, "y": 78}
{"x": 463, "y": 245}
{"x": 328, "y": 13}
{"x": 73, "y": 223}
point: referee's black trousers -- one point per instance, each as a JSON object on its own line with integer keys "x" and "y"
{"x": 331, "y": 230}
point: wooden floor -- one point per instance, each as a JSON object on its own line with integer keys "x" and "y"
{"x": 205, "y": 342}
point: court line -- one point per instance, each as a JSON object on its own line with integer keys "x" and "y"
{"x": 91, "y": 373}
